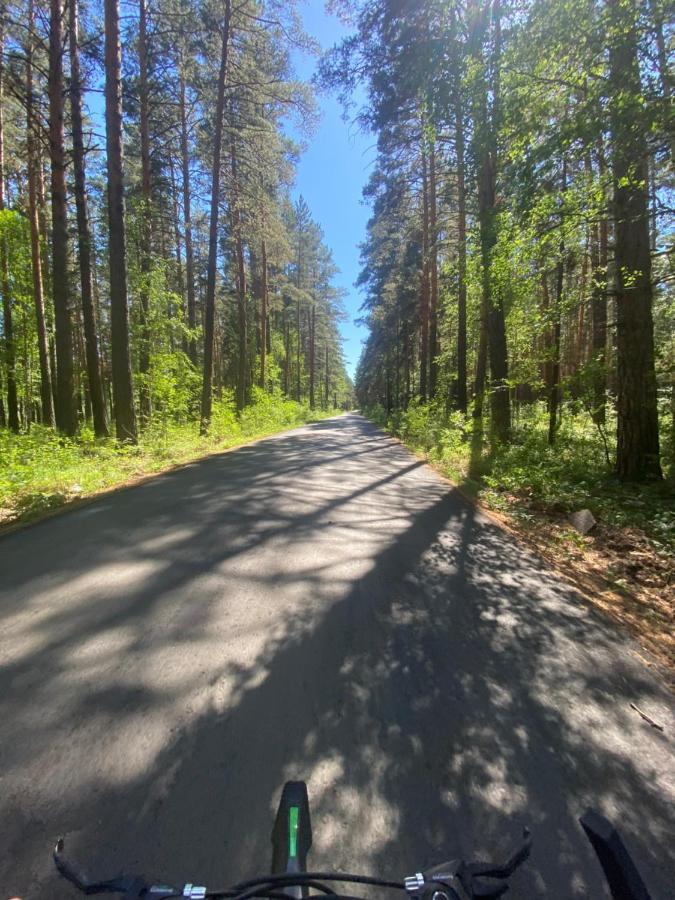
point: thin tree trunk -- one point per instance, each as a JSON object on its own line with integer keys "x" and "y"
{"x": 599, "y": 240}
{"x": 424, "y": 285}
{"x": 241, "y": 284}
{"x": 312, "y": 349}
{"x": 297, "y": 393}
{"x": 461, "y": 392}
{"x": 554, "y": 393}
{"x": 637, "y": 427}
{"x": 493, "y": 303}
{"x": 125, "y": 417}
{"x": 326, "y": 379}
{"x": 287, "y": 354}
{"x": 46, "y": 396}
{"x": 665, "y": 76}
{"x": 145, "y": 401}
{"x": 210, "y": 300}
{"x": 84, "y": 235}
{"x": 180, "y": 280}
{"x": 481, "y": 363}
{"x": 187, "y": 217}
{"x": 433, "y": 275}
{"x": 10, "y": 350}
{"x": 263, "y": 313}
{"x": 66, "y": 415}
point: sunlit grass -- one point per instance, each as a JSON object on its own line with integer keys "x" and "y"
{"x": 41, "y": 470}
{"x": 528, "y": 478}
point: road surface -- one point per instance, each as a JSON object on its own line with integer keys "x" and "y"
{"x": 320, "y": 605}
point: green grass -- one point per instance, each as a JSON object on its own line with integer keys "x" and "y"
{"x": 41, "y": 470}
{"x": 529, "y": 479}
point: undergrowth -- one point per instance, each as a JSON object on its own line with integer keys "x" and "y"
{"x": 41, "y": 470}
{"x": 529, "y": 479}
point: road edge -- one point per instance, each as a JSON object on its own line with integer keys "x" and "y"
{"x": 584, "y": 587}
{"x": 76, "y": 503}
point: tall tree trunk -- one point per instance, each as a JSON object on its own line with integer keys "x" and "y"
{"x": 461, "y": 392}
{"x": 66, "y": 415}
{"x": 241, "y": 284}
{"x": 492, "y": 300}
{"x": 554, "y": 392}
{"x": 312, "y": 350}
{"x": 298, "y": 349}
{"x": 145, "y": 402}
{"x": 178, "y": 242}
{"x": 125, "y": 416}
{"x": 10, "y": 350}
{"x": 187, "y": 218}
{"x": 46, "y": 396}
{"x": 287, "y": 354}
{"x": 84, "y": 235}
{"x": 433, "y": 275}
{"x": 326, "y": 379}
{"x": 599, "y": 240}
{"x": 210, "y": 299}
{"x": 637, "y": 426}
{"x": 665, "y": 75}
{"x": 263, "y": 312}
{"x": 424, "y": 284}
{"x": 3, "y": 417}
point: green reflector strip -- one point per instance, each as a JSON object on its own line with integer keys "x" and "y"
{"x": 293, "y": 831}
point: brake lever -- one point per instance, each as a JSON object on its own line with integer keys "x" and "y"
{"x": 457, "y": 879}
{"x": 517, "y": 858}
{"x": 130, "y": 886}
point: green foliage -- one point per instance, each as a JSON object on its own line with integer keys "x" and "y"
{"x": 529, "y": 478}
{"x": 40, "y": 470}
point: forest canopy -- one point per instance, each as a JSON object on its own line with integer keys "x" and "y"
{"x": 520, "y": 251}
{"x": 154, "y": 265}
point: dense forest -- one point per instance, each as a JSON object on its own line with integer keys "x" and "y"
{"x": 153, "y": 265}
{"x": 519, "y": 262}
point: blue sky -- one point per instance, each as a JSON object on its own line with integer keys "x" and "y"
{"x": 331, "y": 176}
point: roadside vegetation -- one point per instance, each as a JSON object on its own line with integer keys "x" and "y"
{"x": 625, "y": 563}
{"x": 518, "y": 270}
{"x": 41, "y": 470}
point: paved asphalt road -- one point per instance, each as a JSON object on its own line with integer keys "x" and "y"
{"x": 318, "y": 605}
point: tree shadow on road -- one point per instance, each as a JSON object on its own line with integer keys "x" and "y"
{"x": 437, "y": 689}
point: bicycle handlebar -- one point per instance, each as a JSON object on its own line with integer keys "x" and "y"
{"x": 454, "y": 880}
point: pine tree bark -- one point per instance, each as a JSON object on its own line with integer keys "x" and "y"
{"x": 326, "y": 379}
{"x": 554, "y": 392}
{"x": 312, "y": 350}
{"x": 461, "y": 390}
{"x": 93, "y": 361}
{"x": 599, "y": 240}
{"x": 145, "y": 402}
{"x": 210, "y": 299}
{"x": 8, "y": 330}
{"x": 187, "y": 220}
{"x": 241, "y": 284}
{"x": 123, "y": 396}
{"x": 433, "y": 275}
{"x": 492, "y": 300}
{"x": 263, "y": 311}
{"x": 66, "y": 415}
{"x": 424, "y": 285}
{"x": 637, "y": 427}
{"x": 46, "y": 396}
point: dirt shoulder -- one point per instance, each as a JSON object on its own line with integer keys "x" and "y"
{"x": 617, "y": 569}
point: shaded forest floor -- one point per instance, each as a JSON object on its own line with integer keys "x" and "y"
{"x": 625, "y": 565}
{"x": 41, "y": 471}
